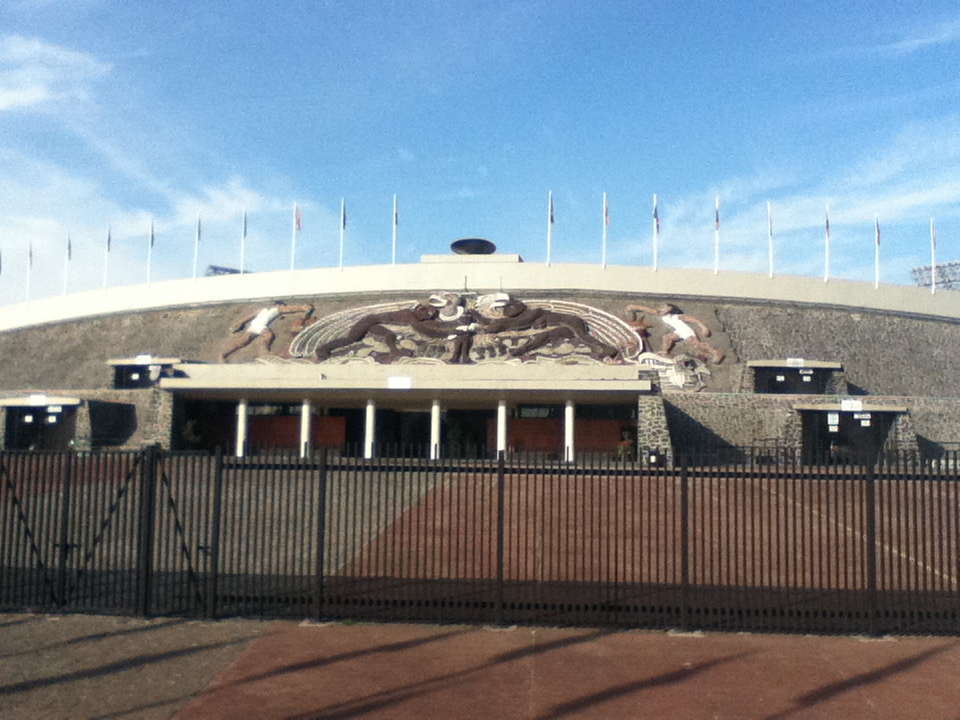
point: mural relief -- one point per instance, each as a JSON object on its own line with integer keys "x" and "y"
{"x": 457, "y": 329}
{"x": 460, "y": 329}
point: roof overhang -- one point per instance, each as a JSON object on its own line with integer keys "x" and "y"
{"x": 851, "y": 406}
{"x": 144, "y": 360}
{"x": 796, "y": 363}
{"x": 521, "y": 382}
{"x": 39, "y": 400}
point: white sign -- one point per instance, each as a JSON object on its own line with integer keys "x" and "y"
{"x": 795, "y": 362}
{"x": 861, "y": 416}
{"x": 851, "y": 405}
{"x": 400, "y": 382}
{"x": 833, "y": 418}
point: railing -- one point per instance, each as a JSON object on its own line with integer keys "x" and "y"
{"x": 750, "y": 545}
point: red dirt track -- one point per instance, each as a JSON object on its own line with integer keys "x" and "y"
{"x": 419, "y": 671}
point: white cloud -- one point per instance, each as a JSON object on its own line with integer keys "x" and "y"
{"x": 34, "y": 72}
{"x": 940, "y": 34}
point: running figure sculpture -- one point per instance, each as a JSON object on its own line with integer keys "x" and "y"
{"x": 679, "y": 329}
{"x": 258, "y": 325}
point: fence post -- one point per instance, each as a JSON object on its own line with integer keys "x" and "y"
{"x": 321, "y": 533}
{"x": 149, "y": 459}
{"x": 500, "y": 530}
{"x": 872, "y": 607}
{"x": 684, "y": 547}
{"x": 64, "y": 540}
{"x": 213, "y": 541}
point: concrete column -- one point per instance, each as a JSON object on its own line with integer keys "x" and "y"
{"x": 305, "y": 417}
{"x": 242, "y": 407}
{"x": 435, "y": 430}
{"x": 369, "y": 429}
{"x": 501, "y": 426}
{"x": 569, "y": 415}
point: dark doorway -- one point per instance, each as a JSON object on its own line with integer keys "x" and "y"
{"x": 466, "y": 433}
{"x": 844, "y": 437}
{"x": 51, "y": 427}
{"x": 791, "y": 381}
{"x": 205, "y": 425}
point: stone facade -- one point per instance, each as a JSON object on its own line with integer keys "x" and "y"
{"x": 653, "y": 432}
{"x": 893, "y": 358}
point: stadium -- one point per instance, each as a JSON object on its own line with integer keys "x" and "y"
{"x": 589, "y": 365}
{"x": 477, "y": 438}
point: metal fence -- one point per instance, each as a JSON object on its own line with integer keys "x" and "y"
{"x": 752, "y": 546}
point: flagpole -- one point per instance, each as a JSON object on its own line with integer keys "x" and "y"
{"x": 770, "y": 236}
{"x": 196, "y": 247}
{"x": 343, "y": 225}
{"x": 29, "y": 267}
{"x": 549, "y": 226}
{"x": 66, "y": 264}
{"x": 933, "y": 257}
{"x": 876, "y": 254}
{"x": 106, "y": 259}
{"x": 656, "y": 234}
{"x": 243, "y": 240}
{"x": 150, "y": 252}
{"x": 826, "y": 249}
{"x": 606, "y": 222}
{"x": 393, "y": 254}
{"x": 716, "y": 236}
{"x": 293, "y": 236}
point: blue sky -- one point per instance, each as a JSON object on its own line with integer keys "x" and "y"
{"x": 116, "y": 114}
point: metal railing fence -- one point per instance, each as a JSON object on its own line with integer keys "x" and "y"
{"x": 760, "y": 546}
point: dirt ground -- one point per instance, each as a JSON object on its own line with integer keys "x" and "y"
{"x": 79, "y": 666}
{"x": 88, "y": 666}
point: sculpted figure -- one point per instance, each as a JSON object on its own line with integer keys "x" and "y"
{"x": 419, "y": 318}
{"x": 457, "y": 324}
{"x": 554, "y": 327}
{"x": 680, "y": 328}
{"x": 258, "y": 325}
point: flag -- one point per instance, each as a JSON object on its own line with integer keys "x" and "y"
{"x": 606, "y": 210}
{"x": 343, "y": 215}
{"x": 69, "y": 248}
{"x": 656, "y": 216}
{"x": 716, "y": 215}
{"x": 151, "y": 234}
{"x": 877, "y": 221}
{"x": 396, "y": 216}
{"x": 108, "y": 240}
{"x": 30, "y": 256}
{"x": 551, "y": 208}
{"x": 297, "y": 219}
{"x": 828, "y": 223}
{"x": 243, "y": 229}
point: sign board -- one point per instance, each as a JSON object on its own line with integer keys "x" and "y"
{"x": 795, "y": 362}
{"x": 833, "y": 418}
{"x": 400, "y": 382}
{"x": 851, "y": 405}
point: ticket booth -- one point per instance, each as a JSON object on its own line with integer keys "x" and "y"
{"x": 847, "y": 433}
{"x": 40, "y": 422}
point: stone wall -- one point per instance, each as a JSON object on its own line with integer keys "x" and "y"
{"x": 653, "y": 432}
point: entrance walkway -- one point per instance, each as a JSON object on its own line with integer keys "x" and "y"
{"x": 418, "y": 671}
